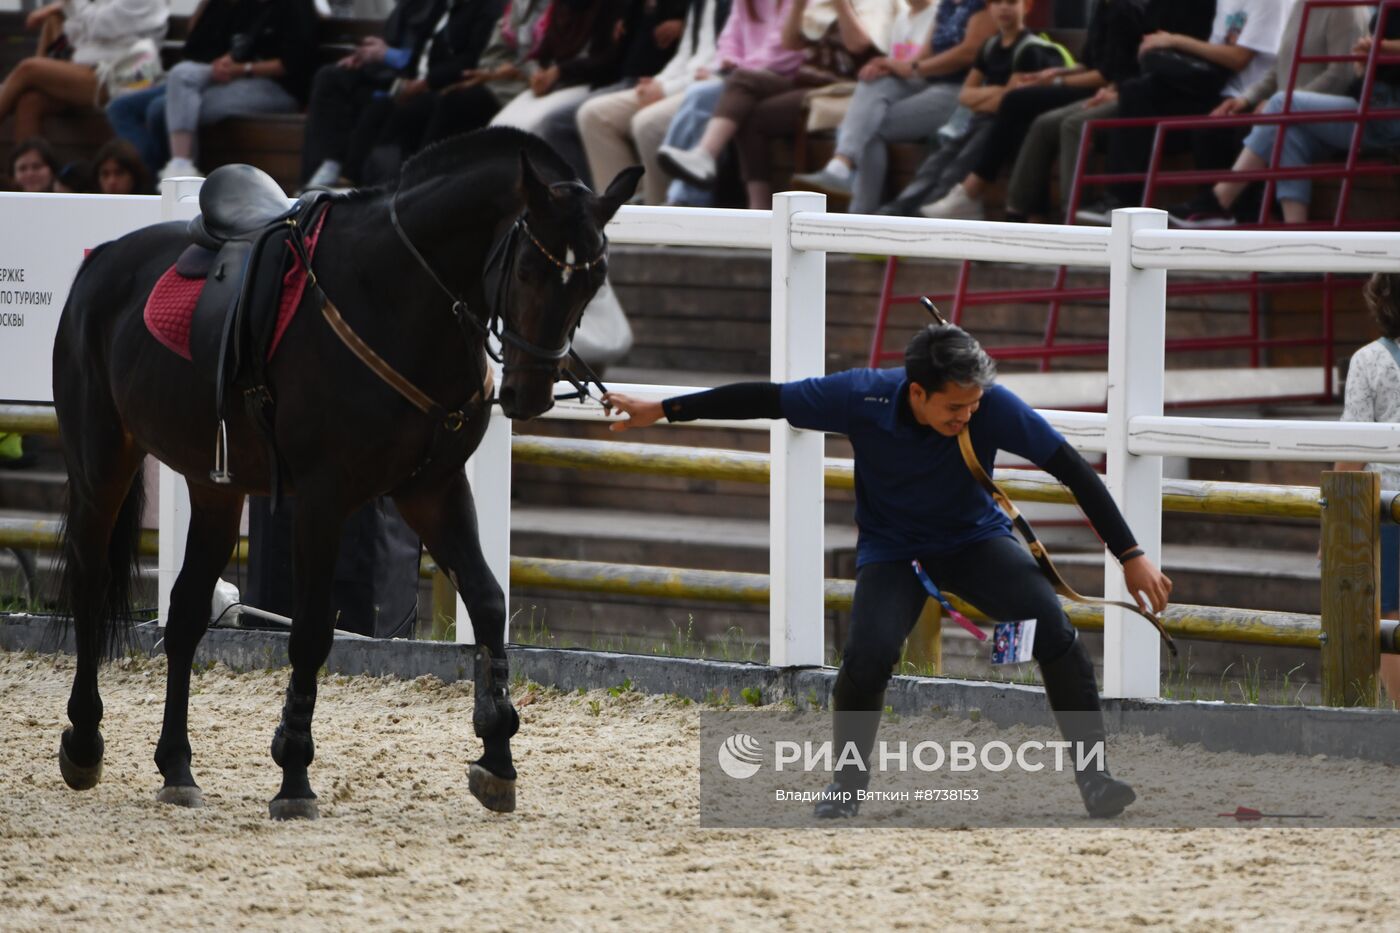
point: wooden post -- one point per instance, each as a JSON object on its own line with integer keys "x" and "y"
{"x": 925, "y": 645}
{"x": 1351, "y": 605}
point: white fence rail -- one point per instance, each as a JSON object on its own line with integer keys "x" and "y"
{"x": 1137, "y": 251}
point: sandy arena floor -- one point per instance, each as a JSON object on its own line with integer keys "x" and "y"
{"x": 598, "y": 841}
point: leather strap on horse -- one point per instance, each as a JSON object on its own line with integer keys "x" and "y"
{"x": 450, "y": 420}
{"x": 1042, "y": 557}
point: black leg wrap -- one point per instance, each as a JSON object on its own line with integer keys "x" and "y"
{"x": 291, "y": 743}
{"x": 1074, "y": 697}
{"x": 493, "y": 715}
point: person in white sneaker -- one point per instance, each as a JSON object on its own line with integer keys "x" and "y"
{"x": 1012, "y": 51}
{"x": 879, "y": 89}
{"x": 838, "y": 37}
{"x": 241, "y": 58}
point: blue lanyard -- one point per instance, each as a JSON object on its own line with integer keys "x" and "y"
{"x": 942, "y": 600}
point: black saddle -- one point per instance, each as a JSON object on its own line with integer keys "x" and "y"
{"x": 239, "y": 247}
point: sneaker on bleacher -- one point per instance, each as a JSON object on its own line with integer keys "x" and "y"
{"x": 955, "y": 205}
{"x": 695, "y": 166}
{"x": 833, "y": 179}
{"x": 1099, "y": 212}
{"x": 1203, "y": 212}
{"x": 179, "y": 168}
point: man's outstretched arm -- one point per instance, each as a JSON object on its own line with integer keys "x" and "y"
{"x": 735, "y": 401}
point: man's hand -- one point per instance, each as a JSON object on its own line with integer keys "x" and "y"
{"x": 649, "y": 91}
{"x": 412, "y": 88}
{"x": 1143, "y": 577}
{"x": 36, "y": 19}
{"x": 1362, "y": 47}
{"x": 371, "y": 51}
{"x": 666, "y": 33}
{"x": 1104, "y": 95}
{"x": 640, "y": 412}
{"x": 224, "y": 69}
{"x": 544, "y": 80}
{"x": 1230, "y": 106}
{"x": 1157, "y": 40}
{"x": 991, "y": 102}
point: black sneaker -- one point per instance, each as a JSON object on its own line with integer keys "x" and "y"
{"x": 1099, "y": 212}
{"x": 1203, "y": 212}
{"x": 840, "y": 803}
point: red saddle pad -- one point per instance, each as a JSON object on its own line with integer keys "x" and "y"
{"x": 171, "y": 304}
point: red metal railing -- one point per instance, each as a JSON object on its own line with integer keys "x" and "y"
{"x": 1156, "y": 177}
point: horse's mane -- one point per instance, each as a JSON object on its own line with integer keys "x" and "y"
{"x": 459, "y": 153}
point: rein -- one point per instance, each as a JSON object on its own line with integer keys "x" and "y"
{"x": 1042, "y": 556}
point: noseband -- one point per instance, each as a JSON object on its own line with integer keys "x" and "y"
{"x": 497, "y": 275}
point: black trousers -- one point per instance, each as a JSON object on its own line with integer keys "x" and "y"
{"x": 402, "y": 127}
{"x": 1129, "y": 150}
{"x": 998, "y": 576}
{"x": 1014, "y": 117}
{"x": 338, "y": 98}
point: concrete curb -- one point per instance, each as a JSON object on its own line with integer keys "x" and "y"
{"x": 1367, "y": 734}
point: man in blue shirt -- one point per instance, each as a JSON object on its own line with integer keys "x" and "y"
{"x": 917, "y": 499}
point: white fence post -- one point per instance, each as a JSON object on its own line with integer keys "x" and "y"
{"x": 488, "y": 471}
{"x": 174, "y": 525}
{"x": 1137, "y": 316}
{"x": 796, "y": 603}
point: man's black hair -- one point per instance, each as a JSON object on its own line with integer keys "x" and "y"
{"x": 944, "y": 353}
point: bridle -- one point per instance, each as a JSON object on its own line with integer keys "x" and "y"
{"x": 497, "y": 275}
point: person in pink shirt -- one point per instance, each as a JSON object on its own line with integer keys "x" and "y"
{"x": 752, "y": 38}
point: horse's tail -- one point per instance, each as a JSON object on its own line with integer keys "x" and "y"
{"x": 99, "y": 598}
{"x": 95, "y": 589}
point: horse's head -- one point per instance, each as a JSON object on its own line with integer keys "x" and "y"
{"x": 557, "y": 258}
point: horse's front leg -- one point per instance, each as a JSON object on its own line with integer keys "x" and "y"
{"x": 316, "y": 531}
{"x": 445, "y": 518}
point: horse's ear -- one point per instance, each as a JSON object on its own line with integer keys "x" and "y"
{"x": 532, "y": 187}
{"x": 618, "y": 193}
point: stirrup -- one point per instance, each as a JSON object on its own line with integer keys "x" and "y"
{"x": 220, "y": 473}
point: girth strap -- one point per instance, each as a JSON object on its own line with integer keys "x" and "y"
{"x": 1042, "y": 557}
{"x": 450, "y": 420}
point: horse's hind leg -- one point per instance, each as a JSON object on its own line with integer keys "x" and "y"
{"x": 98, "y": 555}
{"x": 317, "y": 530}
{"x": 445, "y": 518}
{"x": 214, "y": 518}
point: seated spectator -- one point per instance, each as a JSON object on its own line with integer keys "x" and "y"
{"x": 120, "y": 170}
{"x": 74, "y": 178}
{"x": 580, "y": 50}
{"x": 618, "y": 126}
{"x": 904, "y": 96}
{"x": 422, "y": 106}
{"x": 341, "y": 92}
{"x": 1331, "y": 31}
{"x": 33, "y": 166}
{"x": 757, "y": 106}
{"x": 1182, "y": 75}
{"x": 1116, "y": 30}
{"x": 951, "y": 181}
{"x": 752, "y": 39}
{"x": 650, "y": 33}
{"x": 78, "y": 37}
{"x": 242, "y": 57}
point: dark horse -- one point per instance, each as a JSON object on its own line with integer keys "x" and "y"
{"x": 497, "y": 206}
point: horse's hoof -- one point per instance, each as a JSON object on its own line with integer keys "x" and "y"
{"x": 495, "y": 793}
{"x": 294, "y": 808}
{"x": 190, "y": 797}
{"x": 76, "y": 776}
